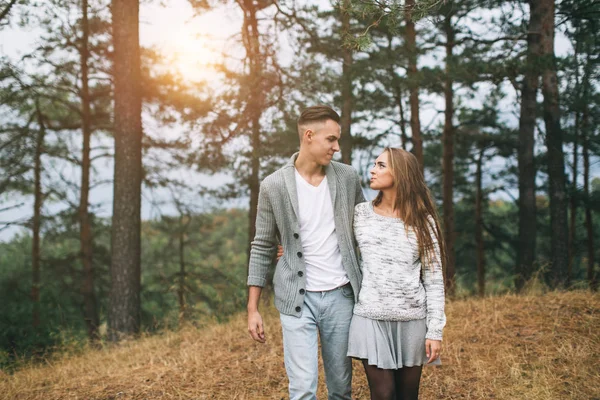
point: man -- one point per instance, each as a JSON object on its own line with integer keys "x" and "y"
{"x": 308, "y": 205}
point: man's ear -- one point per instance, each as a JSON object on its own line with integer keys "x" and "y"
{"x": 309, "y": 134}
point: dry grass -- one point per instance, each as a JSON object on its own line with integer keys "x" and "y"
{"x": 510, "y": 347}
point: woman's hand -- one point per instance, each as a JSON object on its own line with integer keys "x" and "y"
{"x": 279, "y": 251}
{"x": 433, "y": 349}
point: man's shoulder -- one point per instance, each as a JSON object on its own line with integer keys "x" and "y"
{"x": 344, "y": 170}
{"x": 275, "y": 178}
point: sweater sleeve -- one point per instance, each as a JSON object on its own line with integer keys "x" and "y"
{"x": 359, "y": 196}
{"x": 433, "y": 282}
{"x": 264, "y": 245}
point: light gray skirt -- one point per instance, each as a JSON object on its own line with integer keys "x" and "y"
{"x": 388, "y": 344}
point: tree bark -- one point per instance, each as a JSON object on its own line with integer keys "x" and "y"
{"x": 589, "y": 228}
{"x": 251, "y": 39}
{"x": 182, "y": 271}
{"x": 527, "y": 206}
{"x": 91, "y": 317}
{"x": 413, "y": 84}
{"x": 347, "y": 96}
{"x": 554, "y": 145}
{"x": 585, "y": 125}
{"x": 397, "y": 92}
{"x": 37, "y": 216}
{"x": 573, "y": 202}
{"x": 448, "y": 159}
{"x": 124, "y": 308}
{"x": 403, "y": 135}
{"x": 479, "y": 224}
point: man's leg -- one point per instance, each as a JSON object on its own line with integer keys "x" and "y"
{"x": 300, "y": 352}
{"x": 334, "y": 325}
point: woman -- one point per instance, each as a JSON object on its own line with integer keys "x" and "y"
{"x": 399, "y": 317}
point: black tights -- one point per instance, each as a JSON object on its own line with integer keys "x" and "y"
{"x": 393, "y": 384}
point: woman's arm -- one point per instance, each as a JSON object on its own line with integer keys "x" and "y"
{"x": 433, "y": 282}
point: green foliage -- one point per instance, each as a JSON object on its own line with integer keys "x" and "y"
{"x": 214, "y": 280}
{"x": 214, "y": 258}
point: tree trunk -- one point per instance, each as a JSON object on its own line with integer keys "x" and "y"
{"x": 554, "y": 144}
{"x": 124, "y": 308}
{"x": 85, "y": 229}
{"x": 413, "y": 84}
{"x": 251, "y": 39}
{"x": 397, "y": 92}
{"x": 403, "y": 134}
{"x": 182, "y": 272}
{"x": 573, "y": 203}
{"x": 448, "y": 160}
{"x": 479, "y": 225}
{"x": 591, "y": 276}
{"x": 37, "y": 216}
{"x": 527, "y": 206}
{"x": 585, "y": 125}
{"x": 347, "y": 97}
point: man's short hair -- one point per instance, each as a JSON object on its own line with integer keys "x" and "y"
{"x": 316, "y": 114}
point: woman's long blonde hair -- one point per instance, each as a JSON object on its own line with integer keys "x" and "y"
{"x": 415, "y": 205}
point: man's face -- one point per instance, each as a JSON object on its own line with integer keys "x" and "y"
{"x": 323, "y": 141}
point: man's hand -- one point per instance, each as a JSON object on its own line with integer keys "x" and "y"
{"x": 255, "y": 326}
{"x": 433, "y": 349}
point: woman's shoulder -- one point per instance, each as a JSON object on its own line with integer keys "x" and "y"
{"x": 362, "y": 208}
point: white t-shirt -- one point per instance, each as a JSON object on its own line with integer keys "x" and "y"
{"x": 320, "y": 249}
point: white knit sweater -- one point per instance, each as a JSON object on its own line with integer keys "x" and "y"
{"x": 395, "y": 287}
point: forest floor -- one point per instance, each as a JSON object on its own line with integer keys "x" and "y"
{"x": 543, "y": 346}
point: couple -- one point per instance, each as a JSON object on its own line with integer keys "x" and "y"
{"x": 316, "y": 209}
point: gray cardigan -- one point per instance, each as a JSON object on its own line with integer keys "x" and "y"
{"x": 277, "y": 221}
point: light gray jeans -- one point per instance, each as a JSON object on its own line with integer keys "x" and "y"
{"x": 328, "y": 315}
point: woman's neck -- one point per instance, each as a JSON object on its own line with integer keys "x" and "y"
{"x": 388, "y": 202}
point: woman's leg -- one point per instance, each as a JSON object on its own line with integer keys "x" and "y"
{"x": 407, "y": 382}
{"x": 381, "y": 382}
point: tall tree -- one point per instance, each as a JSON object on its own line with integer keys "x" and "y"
{"x": 124, "y": 308}
{"x": 413, "y": 83}
{"x": 91, "y": 316}
{"x": 346, "y": 87}
{"x": 252, "y": 90}
{"x": 448, "y": 152}
{"x": 527, "y": 172}
{"x": 554, "y": 145}
{"x": 255, "y": 105}
{"x": 587, "y": 129}
{"x": 37, "y": 216}
{"x": 479, "y": 198}
{"x": 575, "y": 166}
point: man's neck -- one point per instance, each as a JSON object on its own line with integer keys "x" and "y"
{"x": 308, "y": 168}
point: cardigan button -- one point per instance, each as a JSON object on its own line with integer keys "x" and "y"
{"x": 302, "y": 291}
{"x": 299, "y": 254}
{"x": 300, "y": 273}
{"x": 296, "y": 235}
{"x": 298, "y": 309}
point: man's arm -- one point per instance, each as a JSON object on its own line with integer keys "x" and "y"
{"x": 255, "y": 323}
{"x": 264, "y": 245}
{"x": 262, "y": 249}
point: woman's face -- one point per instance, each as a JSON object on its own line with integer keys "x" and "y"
{"x": 381, "y": 173}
